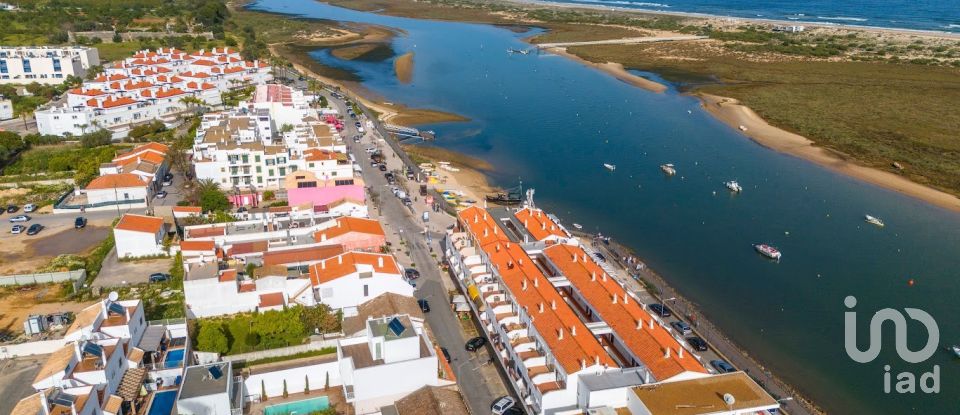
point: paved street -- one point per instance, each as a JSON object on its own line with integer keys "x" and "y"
{"x": 16, "y": 377}
{"x": 479, "y": 381}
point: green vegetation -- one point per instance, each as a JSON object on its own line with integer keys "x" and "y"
{"x": 301, "y": 355}
{"x": 232, "y": 98}
{"x": 877, "y": 113}
{"x": 94, "y": 261}
{"x": 248, "y": 332}
{"x": 84, "y": 162}
{"x": 210, "y": 197}
{"x": 161, "y": 300}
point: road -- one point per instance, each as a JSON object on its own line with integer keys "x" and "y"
{"x": 16, "y": 378}
{"x": 480, "y": 382}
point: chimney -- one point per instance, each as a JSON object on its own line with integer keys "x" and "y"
{"x": 593, "y": 276}
{"x": 536, "y": 282}
{"x": 476, "y": 218}
{"x": 680, "y": 352}
{"x": 526, "y": 224}
{"x": 523, "y": 285}
{"x": 604, "y": 276}
{"x": 323, "y": 237}
{"x": 541, "y": 307}
{"x": 380, "y": 262}
{"x": 574, "y": 258}
{"x": 323, "y": 264}
{"x": 583, "y": 364}
{"x": 651, "y": 323}
{"x": 596, "y": 360}
{"x": 625, "y": 297}
{"x": 553, "y": 304}
{"x": 584, "y": 257}
{"x": 573, "y": 330}
{"x": 639, "y": 324}
{"x": 485, "y": 235}
{"x": 340, "y": 259}
{"x": 646, "y": 377}
{"x": 560, "y": 334}
{"x": 543, "y": 226}
{"x": 667, "y": 353}
{"x": 614, "y": 298}
{"x": 339, "y": 223}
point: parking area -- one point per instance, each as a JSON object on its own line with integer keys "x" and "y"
{"x": 24, "y": 253}
{"x": 16, "y": 378}
{"x": 116, "y": 273}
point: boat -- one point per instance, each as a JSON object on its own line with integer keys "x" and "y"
{"x": 955, "y": 349}
{"x": 768, "y": 251}
{"x": 578, "y": 226}
{"x": 734, "y": 186}
{"x": 873, "y": 220}
{"x": 513, "y": 196}
{"x": 610, "y": 167}
{"x": 668, "y": 169}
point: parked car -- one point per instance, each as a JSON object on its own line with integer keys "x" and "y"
{"x": 424, "y": 305}
{"x": 168, "y": 182}
{"x": 411, "y": 273}
{"x": 159, "y": 277}
{"x": 407, "y": 202}
{"x": 17, "y": 229}
{"x": 514, "y": 410}
{"x": 722, "y": 366}
{"x": 19, "y": 218}
{"x": 29, "y": 207}
{"x": 80, "y": 222}
{"x": 682, "y": 327}
{"x": 161, "y": 194}
{"x": 168, "y": 177}
{"x": 382, "y": 167}
{"x": 12, "y": 208}
{"x": 661, "y": 310}
{"x": 697, "y": 343}
{"x": 371, "y": 150}
{"x": 501, "y": 405}
{"x": 446, "y": 354}
{"x": 34, "y": 229}
{"x": 475, "y": 344}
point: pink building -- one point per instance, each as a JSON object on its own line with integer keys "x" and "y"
{"x": 304, "y": 187}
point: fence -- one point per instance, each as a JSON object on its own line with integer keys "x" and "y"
{"x": 283, "y": 351}
{"x": 77, "y": 276}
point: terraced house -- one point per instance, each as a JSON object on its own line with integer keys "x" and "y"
{"x": 567, "y": 333}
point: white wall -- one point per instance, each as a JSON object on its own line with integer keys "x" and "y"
{"x": 204, "y": 405}
{"x": 347, "y": 292}
{"x": 31, "y": 348}
{"x": 137, "y": 244}
{"x": 114, "y": 195}
{"x": 372, "y": 384}
{"x": 295, "y": 377}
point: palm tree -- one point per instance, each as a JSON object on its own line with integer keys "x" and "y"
{"x": 25, "y": 114}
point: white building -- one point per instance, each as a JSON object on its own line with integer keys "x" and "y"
{"x": 352, "y": 278}
{"x": 126, "y": 189}
{"x": 45, "y": 65}
{"x": 6, "y": 109}
{"x": 139, "y": 236}
{"x": 151, "y": 85}
{"x": 725, "y": 394}
{"x": 210, "y": 389}
{"x": 211, "y": 292}
{"x": 390, "y": 361}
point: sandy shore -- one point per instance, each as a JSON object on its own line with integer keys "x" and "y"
{"x": 732, "y": 113}
{"x": 615, "y": 69}
{"x": 469, "y": 178}
{"x": 403, "y": 67}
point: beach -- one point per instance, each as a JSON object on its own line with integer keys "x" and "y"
{"x": 616, "y": 70}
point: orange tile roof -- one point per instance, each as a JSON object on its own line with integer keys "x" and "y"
{"x": 316, "y": 154}
{"x": 151, "y": 146}
{"x": 347, "y": 224}
{"x": 539, "y": 224}
{"x": 111, "y": 102}
{"x": 233, "y": 69}
{"x": 140, "y": 223}
{"x": 89, "y": 92}
{"x": 169, "y": 93}
{"x": 271, "y": 300}
{"x": 483, "y": 226}
{"x": 291, "y": 256}
{"x": 197, "y": 245}
{"x": 121, "y": 180}
{"x": 114, "y": 77}
{"x": 248, "y": 287}
{"x": 345, "y": 264}
{"x": 137, "y": 85}
{"x": 188, "y": 209}
{"x": 623, "y": 316}
{"x": 206, "y": 231}
{"x": 228, "y": 275}
{"x": 551, "y": 315}
{"x": 204, "y": 62}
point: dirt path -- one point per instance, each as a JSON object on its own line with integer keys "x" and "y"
{"x": 738, "y": 116}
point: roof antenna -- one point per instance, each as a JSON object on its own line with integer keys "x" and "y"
{"x": 529, "y": 203}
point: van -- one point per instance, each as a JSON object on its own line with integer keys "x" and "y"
{"x": 426, "y": 217}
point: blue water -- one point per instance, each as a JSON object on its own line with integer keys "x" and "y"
{"x": 553, "y": 122}
{"x": 299, "y": 407}
{"x": 174, "y": 358}
{"x": 940, "y": 15}
{"x": 162, "y": 403}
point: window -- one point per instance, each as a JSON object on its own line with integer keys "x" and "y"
{"x": 3, "y": 67}
{"x": 56, "y": 65}
{"x": 26, "y": 66}
{"x": 246, "y": 158}
{"x": 283, "y": 171}
{"x": 311, "y": 165}
{"x": 256, "y": 159}
{"x": 343, "y": 182}
{"x": 270, "y": 172}
{"x": 306, "y": 185}
{"x": 259, "y": 179}
{"x": 366, "y": 290}
{"x": 258, "y": 169}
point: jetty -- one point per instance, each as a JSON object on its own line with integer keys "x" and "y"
{"x": 404, "y": 133}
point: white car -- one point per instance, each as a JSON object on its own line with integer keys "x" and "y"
{"x": 17, "y": 229}
{"x": 371, "y": 150}
{"x": 502, "y": 405}
{"x": 29, "y": 207}
{"x": 20, "y": 218}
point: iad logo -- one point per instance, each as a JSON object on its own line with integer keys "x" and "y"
{"x": 906, "y": 381}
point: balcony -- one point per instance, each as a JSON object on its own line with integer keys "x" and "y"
{"x": 545, "y": 388}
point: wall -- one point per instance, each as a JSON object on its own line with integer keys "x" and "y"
{"x": 31, "y": 348}
{"x": 296, "y": 379}
{"x": 77, "y": 276}
{"x": 347, "y": 292}
{"x": 136, "y": 244}
{"x": 282, "y": 351}
{"x": 324, "y": 195}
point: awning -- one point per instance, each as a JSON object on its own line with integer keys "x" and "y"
{"x": 150, "y": 342}
{"x": 131, "y": 383}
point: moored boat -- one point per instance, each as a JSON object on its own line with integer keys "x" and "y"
{"x": 610, "y": 167}
{"x": 734, "y": 186}
{"x": 768, "y": 251}
{"x": 578, "y": 226}
{"x": 668, "y": 169}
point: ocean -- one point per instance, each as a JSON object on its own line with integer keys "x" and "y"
{"x": 553, "y": 122}
{"x": 935, "y": 15}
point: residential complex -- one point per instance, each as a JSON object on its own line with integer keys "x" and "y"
{"x": 129, "y": 181}
{"x": 568, "y": 334}
{"x": 45, "y": 64}
{"x": 152, "y": 85}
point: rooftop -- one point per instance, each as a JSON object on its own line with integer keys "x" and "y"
{"x": 205, "y": 380}
{"x": 431, "y": 401}
{"x": 119, "y": 181}
{"x": 351, "y": 262}
{"x": 387, "y": 304}
{"x": 140, "y": 223}
{"x": 704, "y": 395}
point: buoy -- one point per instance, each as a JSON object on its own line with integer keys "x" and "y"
{"x": 910, "y": 282}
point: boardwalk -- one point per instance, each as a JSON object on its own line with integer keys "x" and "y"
{"x": 622, "y": 41}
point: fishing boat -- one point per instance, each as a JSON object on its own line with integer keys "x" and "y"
{"x": 610, "y": 167}
{"x": 668, "y": 169}
{"x": 513, "y": 196}
{"x": 768, "y": 251}
{"x": 873, "y": 220}
{"x": 734, "y": 186}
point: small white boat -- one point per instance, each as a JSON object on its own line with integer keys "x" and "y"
{"x": 873, "y": 220}
{"x": 610, "y": 167}
{"x": 743, "y": 128}
{"x": 768, "y": 251}
{"x": 668, "y": 169}
{"x": 955, "y": 349}
{"x": 578, "y": 226}
{"x": 734, "y": 186}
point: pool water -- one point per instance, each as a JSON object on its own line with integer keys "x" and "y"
{"x": 174, "y": 358}
{"x": 162, "y": 403}
{"x": 299, "y": 407}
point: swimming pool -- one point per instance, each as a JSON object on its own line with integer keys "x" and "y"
{"x": 299, "y": 407}
{"x": 174, "y": 358}
{"x": 162, "y": 403}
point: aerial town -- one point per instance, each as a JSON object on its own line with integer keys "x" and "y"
{"x": 334, "y": 277}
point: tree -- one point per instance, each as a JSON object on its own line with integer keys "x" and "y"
{"x": 117, "y": 38}
{"x": 320, "y": 318}
{"x": 96, "y": 139}
{"x": 326, "y": 385}
{"x": 212, "y": 338}
{"x": 263, "y": 391}
{"x": 285, "y": 395}
{"x": 306, "y": 385}
{"x": 210, "y": 197}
